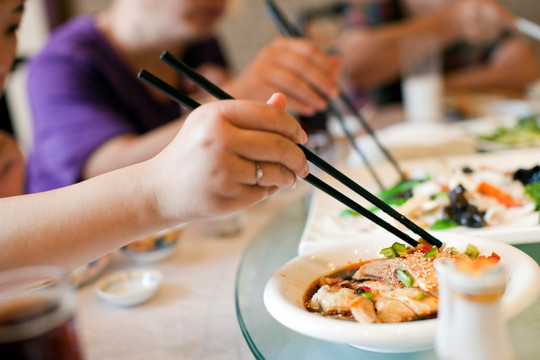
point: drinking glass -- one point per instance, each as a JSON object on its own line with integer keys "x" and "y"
{"x": 37, "y": 314}
{"x": 421, "y": 85}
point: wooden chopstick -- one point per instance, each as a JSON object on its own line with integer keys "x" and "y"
{"x": 288, "y": 29}
{"x": 191, "y": 104}
{"x": 213, "y": 89}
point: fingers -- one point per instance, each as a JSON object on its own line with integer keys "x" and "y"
{"x": 278, "y": 100}
{"x": 257, "y": 116}
{"x": 302, "y": 59}
{"x": 272, "y": 175}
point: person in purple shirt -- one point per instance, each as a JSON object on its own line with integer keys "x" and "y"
{"x": 222, "y": 160}
{"x": 91, "y": 115}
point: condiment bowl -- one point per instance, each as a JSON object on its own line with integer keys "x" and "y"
{"x": 129, "y": 288}
{"x": 155, "y": 247}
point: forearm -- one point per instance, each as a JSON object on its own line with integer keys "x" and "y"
{"x": 372, "y": 57}
{"x": 129, "y": 149}
{"x": 77, "y": 224}
{"x": 513, "y": 66}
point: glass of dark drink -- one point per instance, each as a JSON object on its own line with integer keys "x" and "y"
{"x": 37, "y": 315}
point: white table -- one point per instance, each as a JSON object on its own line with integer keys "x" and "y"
{"x": 193, "y": 314}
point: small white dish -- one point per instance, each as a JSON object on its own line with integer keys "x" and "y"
{"x": 131, "y": 287}
{"x": 284, "y": 293}
{"x": 154, "y": 247}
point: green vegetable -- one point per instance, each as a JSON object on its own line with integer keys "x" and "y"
{"x": 443, "y": 224}
{"x": 525, "y": 131}
{"x": 405, "y": 278}
{"x": 388, "y": 252}
{"x": 420, "y": 296}
{"x": 394, "y": 201}
{"x": 398, "y": 189}
{"x": 472, "y": 251}
{"x": 400, "y": 249}
{"x": 348, "y": 213}
{"x": 533, "y": 190}
{"x": 368, "y": 295}
{"x": 452, "y": 250}
{"x": 431, "y": 252}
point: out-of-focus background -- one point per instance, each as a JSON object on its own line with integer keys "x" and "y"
{"x": 245, "y": 31}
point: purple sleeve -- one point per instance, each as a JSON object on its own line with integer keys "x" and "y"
{"x": 72, "y": 117}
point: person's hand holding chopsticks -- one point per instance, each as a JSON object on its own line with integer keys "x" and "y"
{"x": 294, "y": 67}
{"x": 228, "y": 156}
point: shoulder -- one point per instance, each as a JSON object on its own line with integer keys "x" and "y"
{"x": 77, "y": 41}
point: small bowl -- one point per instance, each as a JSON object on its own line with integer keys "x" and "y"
{"x": 129, "y": 288}
{"x": 155, "y": 247}
{"x": 88, "y": 272}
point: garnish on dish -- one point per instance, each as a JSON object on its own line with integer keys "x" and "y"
{"x": 399, "y": 286}
{"x": 473, "y": 198}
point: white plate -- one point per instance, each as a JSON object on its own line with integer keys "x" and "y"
{"x": 324, "y": 228}
{"x": 284, "y": 293}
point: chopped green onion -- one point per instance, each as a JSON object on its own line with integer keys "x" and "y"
{"x": 420, "y": 296}
{"x": 368, "y": 295}
{"x": 472, "y": 251}
{"x": 405, "y": 278}
{"x": 431, "y": 252}
{"x": 388, "y": 252}
{"x": 398, "y": 189}
{"x": 443, "y": 224}
{"x": 348, "y": 213}
{"x": 451, "y": 250}
{"x": 400, "y": 249}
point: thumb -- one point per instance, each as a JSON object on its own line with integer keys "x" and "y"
{"x": 279, "y": 100}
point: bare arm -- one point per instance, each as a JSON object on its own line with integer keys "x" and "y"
{"x": 513, "y": 65}
{"x": 371, "y": 57}
{"x": 129, "y": 149}
{"x": 207, "y": 170}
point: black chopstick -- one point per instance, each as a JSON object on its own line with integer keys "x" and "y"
{"x": 288, "y": 29}
{"x": 213, "y": 89}
{"x": 208, "y": 86}
{"x": 191, "y": 104}
{"x": 160, "y": 85}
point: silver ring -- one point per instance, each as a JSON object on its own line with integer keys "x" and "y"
{"x": 258, "y": 173}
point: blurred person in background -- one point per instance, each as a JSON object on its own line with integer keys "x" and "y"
{"x": 207, "y": 170}
{"x": 480, "y": 48}
{"x": 91, "y": 114}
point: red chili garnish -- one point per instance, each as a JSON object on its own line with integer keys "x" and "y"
{"x": 426, "y": 248}
{"x": 366, "y": 288}
{"x": 495, "y": 255}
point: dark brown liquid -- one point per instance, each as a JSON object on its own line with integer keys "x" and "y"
{"x": 58, "y": 340}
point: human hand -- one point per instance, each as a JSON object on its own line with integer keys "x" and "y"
{"x": 294, "y": 67}
{"x": 11, "y": 167}
{"x": 209, "y": 168}
{"x": 480, "y": 21}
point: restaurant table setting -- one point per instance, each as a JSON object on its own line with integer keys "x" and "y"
{"x": 262, "y": 270}
{"x": 237, "y": 287}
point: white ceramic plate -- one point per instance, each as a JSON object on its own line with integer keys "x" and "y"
{"x": 284, "y": 293}
{"x": 323, "y": 226}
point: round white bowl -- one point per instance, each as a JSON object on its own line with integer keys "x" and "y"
{"x": 129, "y": 288}
{"x": 284, "y": 293}
{"x": 155, "y": 247}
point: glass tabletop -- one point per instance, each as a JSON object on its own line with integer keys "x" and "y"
{"x": 267, "y": 339}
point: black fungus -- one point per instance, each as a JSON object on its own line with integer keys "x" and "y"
{"x": 461, "y": 211}
{"x": 528, "y": 176}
